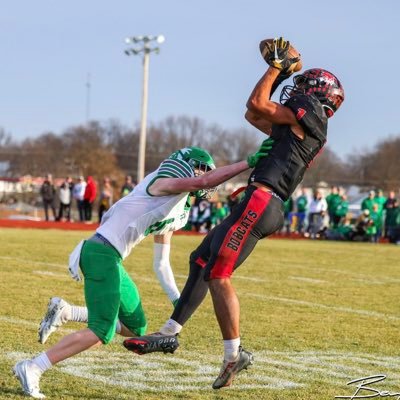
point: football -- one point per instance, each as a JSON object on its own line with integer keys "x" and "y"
{"x": 267, "y": 44}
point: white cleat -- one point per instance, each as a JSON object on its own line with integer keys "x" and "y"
{"x": 29, "y": 376}
{"x": 53, "y": 318}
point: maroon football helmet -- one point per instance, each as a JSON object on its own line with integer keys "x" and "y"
{"x": 319, "y": 82}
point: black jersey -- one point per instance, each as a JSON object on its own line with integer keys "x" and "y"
{"x": 283, "y": 169}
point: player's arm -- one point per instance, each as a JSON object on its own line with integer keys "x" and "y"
{"x": 260, "y": 104}
{"x": 162, "y": 266}
{"x": 262, "y": 124}
{"x": 166, "y": 186}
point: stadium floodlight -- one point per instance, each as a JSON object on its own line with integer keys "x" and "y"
{"x": 160, "y": 39}
{"x": 146, "y": 49}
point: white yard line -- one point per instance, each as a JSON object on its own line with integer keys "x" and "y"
{"x": 29, "y": 262}
{"x": 54, "y": 274}
{"x": 194, "y": 371}
{"x": 29, "y": 324}
{"x": 365, "y": 313}
{"x": 304, "y": 279}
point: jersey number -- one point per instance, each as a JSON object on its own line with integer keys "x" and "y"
{"x": 158, "y": 226}
{"x": 301, "y": 112}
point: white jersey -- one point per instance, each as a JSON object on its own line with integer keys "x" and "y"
{"x": 140, "y": 214}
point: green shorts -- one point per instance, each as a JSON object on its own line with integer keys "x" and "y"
{"x": 110, "y": 293}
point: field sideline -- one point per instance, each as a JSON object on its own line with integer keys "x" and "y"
{"x": 315, "y": 314}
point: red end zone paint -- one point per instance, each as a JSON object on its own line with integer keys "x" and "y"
{"x": 75, "y": 226}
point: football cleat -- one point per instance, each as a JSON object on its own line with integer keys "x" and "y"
{"x": 156, "y": 342}
{"x": 230, "y": 369}
{"x": 53, "y": 318}
{"x": 28, "y": 375}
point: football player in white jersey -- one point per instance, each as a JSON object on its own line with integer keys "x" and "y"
{"x": 158, "y": 206}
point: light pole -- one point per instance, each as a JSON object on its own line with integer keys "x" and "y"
{"x": 146, "y": 49}
{"x": 88, "y": 87}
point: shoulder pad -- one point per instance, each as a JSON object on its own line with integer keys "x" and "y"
{"x": 175, "y": 168}
{"x": 310, "y": 114}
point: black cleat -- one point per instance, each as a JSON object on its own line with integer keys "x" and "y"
{"x": 156, "y": 342}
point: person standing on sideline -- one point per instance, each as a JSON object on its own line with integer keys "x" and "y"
{"x": 368, "y": 202}
{"x": 287, "y": 215}
{"x": 127, "y": 187}
{"x": 89, "y": 197}
{"x": 380, "y": 199}
{"x": 78, "y": 193}
{"x": 106, "y": 197}
{"x": 390, "y": 207}
{"x": 333, "y": 200}
{"x": 65, "y": 201}
{"x": 301, "y": 210}
{"x": 317, "y": 211}
{"x": 158, "y": 205}
{"x": 48, "y": 193}
{"x": 298, "y": 130}
{"x": 341, "y": 210}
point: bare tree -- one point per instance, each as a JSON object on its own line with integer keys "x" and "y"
{"x": 379, "y": 167}
{"x": 326, "y": 167}
{"x": 110, "y": 149}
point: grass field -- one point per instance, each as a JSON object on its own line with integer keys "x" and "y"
{"x": 315, "y": 315}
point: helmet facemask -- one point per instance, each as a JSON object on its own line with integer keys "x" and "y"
{"x": 200, "y": 168}
{"x": 200, "y": 162}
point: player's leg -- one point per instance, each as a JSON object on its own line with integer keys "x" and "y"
{"x": 99, "y": 265}
{"x": 191, "y": 297}
{"x": 53, "y": 208}
{"x": 131, "y": 313}
{"x": 196, "y": 288}
{"x": 58, "y": 313}
{"x": 258, "y": 215}
{"x": 29, "y": 372}
{"x": 46, "y": 209}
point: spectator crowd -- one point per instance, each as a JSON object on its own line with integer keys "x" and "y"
{"x": 329, "y": 217}
{"x": 81, "y": 193}
{"x": 309, "y": 214}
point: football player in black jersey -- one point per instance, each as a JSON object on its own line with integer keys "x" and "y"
{"x": 297, "y": 129}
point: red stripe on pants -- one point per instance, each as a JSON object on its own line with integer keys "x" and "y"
{"x": 230, "y": 249}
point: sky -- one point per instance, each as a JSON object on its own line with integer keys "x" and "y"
{"x": 206, "y": 68}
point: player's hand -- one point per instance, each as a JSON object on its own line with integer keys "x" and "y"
{"x": 262, "y": 152}
{"x": 277, "y": 55}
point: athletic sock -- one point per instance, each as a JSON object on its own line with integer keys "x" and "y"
{"x": 118, "y": 327}
{"x": 171, "y": 327}
{"x": 231, "y": 349}
{"x": 42, "y": 362}
{"x": 78, "y": 314}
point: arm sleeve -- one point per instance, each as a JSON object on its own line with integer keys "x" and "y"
{"x": 163, "y": 270}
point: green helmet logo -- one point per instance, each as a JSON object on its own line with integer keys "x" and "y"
{"x": 199, "y": 160}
